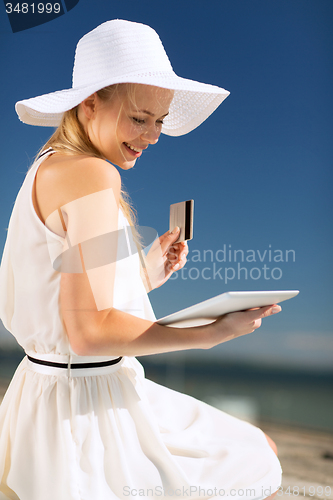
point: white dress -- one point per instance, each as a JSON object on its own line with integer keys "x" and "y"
{"x": 105, "y": 433}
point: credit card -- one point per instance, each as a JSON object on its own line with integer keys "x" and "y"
{"x": 181, "y": 215}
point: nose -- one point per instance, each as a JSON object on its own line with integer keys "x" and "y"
{"x": 151, "y": 134}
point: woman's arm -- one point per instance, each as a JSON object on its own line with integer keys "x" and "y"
{"x": 121, "y": 334}
{"x": 93, "y": 325}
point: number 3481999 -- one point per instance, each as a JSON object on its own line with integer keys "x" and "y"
{"x": 318, "y": 491}
{"x": 33, "y": 8}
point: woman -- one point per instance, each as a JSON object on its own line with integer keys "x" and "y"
{"x": 80, "y": 420}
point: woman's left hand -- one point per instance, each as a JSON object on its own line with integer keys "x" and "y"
{"x": 164, "y": 258}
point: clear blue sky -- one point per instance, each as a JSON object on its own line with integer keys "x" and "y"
{"x": 259, "y": 169}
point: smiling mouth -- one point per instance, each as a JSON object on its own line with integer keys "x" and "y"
{"x": 132, "y": 148}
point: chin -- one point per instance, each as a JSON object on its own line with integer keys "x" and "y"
{"x": 127, "y": 165}
{"x": 123, "y": 164}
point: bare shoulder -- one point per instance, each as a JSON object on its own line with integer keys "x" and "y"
{"x": 78, "y": 176}
{"x": 61, "y": 179}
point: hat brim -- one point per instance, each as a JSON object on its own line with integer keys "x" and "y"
{"x": 192, "y": 103}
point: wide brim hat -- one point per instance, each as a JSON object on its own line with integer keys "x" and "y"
{"x": 121, "y": 51}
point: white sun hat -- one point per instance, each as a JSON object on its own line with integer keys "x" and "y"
{"x": 121, "y": 51}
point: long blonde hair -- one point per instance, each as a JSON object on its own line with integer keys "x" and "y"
{"x": 70, "y": 138}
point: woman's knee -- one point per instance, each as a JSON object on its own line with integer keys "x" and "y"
{"x": 271, "y": 444}
{"x": 271, "y": 496}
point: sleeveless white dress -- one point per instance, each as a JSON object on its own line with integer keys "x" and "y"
{"x": 105, "y": 433}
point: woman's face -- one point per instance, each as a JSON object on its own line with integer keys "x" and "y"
{"x": 123, "y": 127}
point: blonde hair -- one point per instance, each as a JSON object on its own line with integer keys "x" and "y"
{"x": 70, "y": 138}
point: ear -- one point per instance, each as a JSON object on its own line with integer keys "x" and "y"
{"x": 88, "y": 106}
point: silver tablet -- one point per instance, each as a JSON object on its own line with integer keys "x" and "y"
{"x": 208, "y": 311}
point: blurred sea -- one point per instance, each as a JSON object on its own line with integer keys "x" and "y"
{"x": 253, "y": 392}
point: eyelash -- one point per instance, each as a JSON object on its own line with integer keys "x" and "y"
{"x": 137, "y": 120}
{"x": 141, "y": 122}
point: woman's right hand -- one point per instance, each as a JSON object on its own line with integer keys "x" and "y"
{"x": 235, "y": 324}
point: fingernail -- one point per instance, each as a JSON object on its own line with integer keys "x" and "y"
{"x": 276, "y": 309}
{"x": 176, "y": 266}
{"x": 175, "y": 230}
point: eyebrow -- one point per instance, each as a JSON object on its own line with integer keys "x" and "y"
{"x": 149, "y": 113}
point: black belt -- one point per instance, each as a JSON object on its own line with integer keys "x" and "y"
{"x": 75, "y": 365}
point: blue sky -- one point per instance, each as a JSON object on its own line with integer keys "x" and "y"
{"x": 259, "y": 169}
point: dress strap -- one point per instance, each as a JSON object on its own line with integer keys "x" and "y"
{"x": 48, "y": 150}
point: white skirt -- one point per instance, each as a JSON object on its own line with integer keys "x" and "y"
{"x": 109, "y": 433}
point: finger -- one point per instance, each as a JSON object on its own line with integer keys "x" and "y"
{"x": 172, "y": 255}
{"x": 177, "y": 260}
{"x": 181, "y": 244}
{"x": 177, "y": 254}
{"x": 168, "y": 238}
{"x": 175, "y": 266}
{"x": 168, "y": 234}
{"x": 175, "y": 250}
{"x": 273, "y": 310}
{"x": 256, "y": 324}
{"x": 181, "y": 263}
{"x": 178, "y": 264}
{"x": 262, "y": 312}
{"x": 179, "y": 249}
{"x": 184, "y": 248}
{"x": 170, "y": 269}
